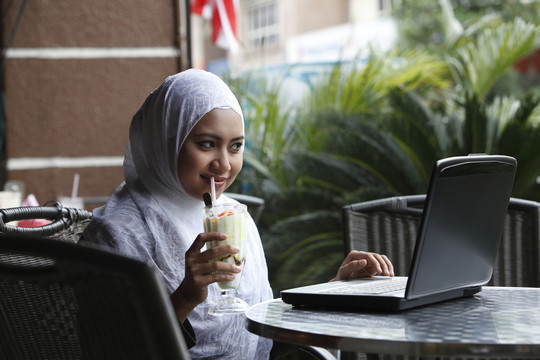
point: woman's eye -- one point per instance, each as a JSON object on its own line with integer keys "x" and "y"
{"x": 206, "y": 144}
{"x": 237, "y": 146}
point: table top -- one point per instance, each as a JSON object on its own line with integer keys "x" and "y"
{"x": 499, "y": 321}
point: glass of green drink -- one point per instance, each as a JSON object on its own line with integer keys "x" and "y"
{"x": 231, "y": 220}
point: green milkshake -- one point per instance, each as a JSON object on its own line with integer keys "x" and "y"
{"x": 229, "y": 219}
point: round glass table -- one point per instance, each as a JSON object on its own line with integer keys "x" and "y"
{"x": 497, "y": 323}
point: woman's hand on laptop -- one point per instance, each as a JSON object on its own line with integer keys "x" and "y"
{"x": 362, "y": 264}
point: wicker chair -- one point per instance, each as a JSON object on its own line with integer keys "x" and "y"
{"x": 60, "y": 300}
{"x": 390, "y": 225}
{"x": 66, "y": 223}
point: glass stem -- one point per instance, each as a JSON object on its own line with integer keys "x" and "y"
{"x": 228, "y": 293}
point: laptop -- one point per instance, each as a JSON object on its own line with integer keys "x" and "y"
{"x": 456, "y": 246}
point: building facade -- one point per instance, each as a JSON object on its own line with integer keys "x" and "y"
{"x": 273, "y": 32}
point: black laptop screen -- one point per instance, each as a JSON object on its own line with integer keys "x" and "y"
{"x": 463, "y": 218}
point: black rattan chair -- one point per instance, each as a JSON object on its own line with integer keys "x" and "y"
{"x": 390, "y": 225}
{"x": 60, "y": 300}
{"x": 66, "y": 223}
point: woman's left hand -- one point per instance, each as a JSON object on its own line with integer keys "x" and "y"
{"x": 361, "y": 264}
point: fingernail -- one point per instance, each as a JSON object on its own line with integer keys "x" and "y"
{"x": 236, "y": 249}
{"x": 237, "y": 269}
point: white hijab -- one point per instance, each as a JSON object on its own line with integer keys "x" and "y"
{"x": 152, "y": 217}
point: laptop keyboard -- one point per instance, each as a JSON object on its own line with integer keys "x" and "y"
{"x": 377, "y": 287}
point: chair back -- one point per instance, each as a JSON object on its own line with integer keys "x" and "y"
{"x": 60, "y": 300}
{"x": 390, "y": 226}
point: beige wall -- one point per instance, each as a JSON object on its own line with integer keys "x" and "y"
{"x": 319, "y": 14}
{"x": 63, "y": 101}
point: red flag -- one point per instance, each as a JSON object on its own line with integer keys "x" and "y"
{"x": 222, "y": 14}
{"x": 198, "y": 7}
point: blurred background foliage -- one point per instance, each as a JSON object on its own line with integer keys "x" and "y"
{"x": 374, "y": 127}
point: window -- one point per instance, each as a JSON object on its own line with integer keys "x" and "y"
{"x": 263, "y": 27}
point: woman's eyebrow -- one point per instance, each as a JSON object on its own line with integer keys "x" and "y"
{"x": 216, "y": 136}
{"x": 207, "y": 134}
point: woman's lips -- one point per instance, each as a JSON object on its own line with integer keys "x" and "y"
{"x": 218, "y": 181}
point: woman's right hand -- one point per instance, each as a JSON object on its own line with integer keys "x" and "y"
{"x": 200, "y": 272}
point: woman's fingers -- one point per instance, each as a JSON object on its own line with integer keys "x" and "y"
{"x": 220, "y": 252}
{"x": 204, "y": 274}
{"x": 203, "y": 238}
{"x": 216, "y": 267}
{"x": 377, "y": 263}
{"x": 380, "y": 264}
{"x": 357, "y": 268}
{"x": 202, "y": 280}
{"x": 194, "y": 254}
{"x": 199, "y": 266}
{"x": 389, "y": 266}
{"x": 361, "y": 263}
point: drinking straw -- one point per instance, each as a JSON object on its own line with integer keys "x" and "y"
{"x": 213, "y": 189}
{"x": 75, "y": 189}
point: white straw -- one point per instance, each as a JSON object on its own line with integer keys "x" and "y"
{"x": 213, "y": 189}
{"x": 75, "y": 189}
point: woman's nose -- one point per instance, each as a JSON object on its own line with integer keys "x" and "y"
{"x": 221, "y": 162}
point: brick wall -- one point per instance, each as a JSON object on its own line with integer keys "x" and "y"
{"x": 74, "y": 75}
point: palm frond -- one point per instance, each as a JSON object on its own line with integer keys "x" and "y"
{"x": 485, "y": 59}
{"x": 520, "y": 137}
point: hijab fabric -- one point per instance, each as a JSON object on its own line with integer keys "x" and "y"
{"x": 152, "y": 217}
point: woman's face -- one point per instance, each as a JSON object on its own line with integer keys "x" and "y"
{"x": 212, "y": 149}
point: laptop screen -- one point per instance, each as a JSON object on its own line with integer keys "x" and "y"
{"x": 463, "y": 219}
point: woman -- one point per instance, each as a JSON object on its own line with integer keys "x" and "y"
{"x": 188, "y": 130}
